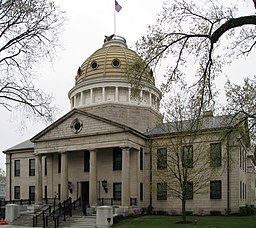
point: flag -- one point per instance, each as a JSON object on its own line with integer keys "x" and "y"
{"x": 117, "y": 6}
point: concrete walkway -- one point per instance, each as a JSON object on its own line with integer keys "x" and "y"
{"x": 14, "y": 226}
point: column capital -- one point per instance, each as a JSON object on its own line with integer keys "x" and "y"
{"x": 126, "y": 148}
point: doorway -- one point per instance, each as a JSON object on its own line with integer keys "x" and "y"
{"x": 85, "y": 195}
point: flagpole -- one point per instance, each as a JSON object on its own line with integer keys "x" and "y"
{"x": 117, "y": 9}
{"x": 114, "y": 21}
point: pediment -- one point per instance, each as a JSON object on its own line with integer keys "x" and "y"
{"x": 78, "y": 123}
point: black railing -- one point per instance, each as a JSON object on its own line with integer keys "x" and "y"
{"x": 17, "y": 201}
{"x": 3, "y": 203}
{"x": 111, "y": 202}
{"x": 53, "y": 213}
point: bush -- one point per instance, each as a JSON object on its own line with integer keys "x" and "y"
{"x": 200, "y": 212}
{"x": 161, "y": 212}
{"x": 227, "y": 211}
{"x": 215, "y": 213}
{"x": 137, "y": 211}
{"x": 149, "y": 210}
{"x": 173, "y": 212}
{"x": 189, "y": 212}
{"x": 247, "y": 210}
{"x": 117, "y": 218}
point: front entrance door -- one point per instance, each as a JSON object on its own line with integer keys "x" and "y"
{"x": 85, "y": 195}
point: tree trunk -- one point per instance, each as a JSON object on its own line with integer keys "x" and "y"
{"x": 183, "y": 201}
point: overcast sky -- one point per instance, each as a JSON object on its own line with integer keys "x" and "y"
{"x": 88, "y": 22}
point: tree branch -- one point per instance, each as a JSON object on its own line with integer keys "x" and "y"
{"x": 230, "y": 24}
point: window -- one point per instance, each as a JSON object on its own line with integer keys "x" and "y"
{"x": 187, "y": 156}
{"x": 17, "y": 168}
{"x": 215, "y": 189}
{"x": 45, "y": 193}
{"x": 58, "y": 191}
{"x": 141, "y": 158}
{"x": 16, "y": 192}
{"x": 86, "y": 161}
{"x": 189, "y": 191}
{"x": 241, "y": 191}
{"x": 45, "y": 166}
{"x": 59, "y": 163}
{"x": 32, "y": 193}
{"x": 117, "y": 191}
{"x": 117, "y": 158}
{"x": 141, "y": 191}
{"x": 161, "y": 191}
{"x": 162, "y": 159}
{"x": 215, "y": 154}
{"x": 32, "y": 167}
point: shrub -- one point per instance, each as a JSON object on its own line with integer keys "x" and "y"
{"x": 200, "y": 212}
{"x": 215, "y": 213}
{"x": 117, "y": 218}
{"x": 247, "y": 210}
{"x": 227, "y": 211}
{"x": 173, "y": 212}
{"x": 137, "y": 211}
{"x": 243, "y": 211}
{"x": 149, "y": 210}
{"x": 161, "y": 212}
{"x": 144, "y": 210}
{"x": 189, "y": 212}
{"x": 131, "y": 214}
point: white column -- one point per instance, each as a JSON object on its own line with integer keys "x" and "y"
{"x": 103, "y": 94}
{"x": 39, "y": 181}
{"x": 64, "y": 177}
{"x": 116, "y": 98}
{"x": 93, "y": 178}
{"x": 125, "y": 177}
{"x": 129, "y": 95}
{"x": 91, "y": 95}
{"x": 75, "y": 101}
{"x": 150, "y": 99}
{"x": 82, "y": 102}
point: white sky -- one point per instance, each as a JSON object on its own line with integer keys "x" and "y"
{"x": 88, "y": 22}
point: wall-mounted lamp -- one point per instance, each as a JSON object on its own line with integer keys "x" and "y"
{"x": 105, "y": 185}
{"x": 70, "y": 187}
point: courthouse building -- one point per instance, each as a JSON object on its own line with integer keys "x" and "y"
{"x": 104, "y": 149}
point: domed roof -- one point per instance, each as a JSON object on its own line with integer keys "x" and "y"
{"x": 113, "y": 60}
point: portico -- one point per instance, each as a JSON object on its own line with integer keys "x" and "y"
{"x": 108, "y": 159}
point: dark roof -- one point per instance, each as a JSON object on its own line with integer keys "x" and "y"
{"x": 204, "y": 123}
{"x": 26, "y": 145}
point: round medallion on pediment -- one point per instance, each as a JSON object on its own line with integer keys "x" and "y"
{"x": 76, "y": 125}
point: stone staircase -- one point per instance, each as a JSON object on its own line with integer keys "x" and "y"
{"x": 80, "y": 221}
{"x": 77, "y": 220}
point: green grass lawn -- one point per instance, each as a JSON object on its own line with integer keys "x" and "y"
{"x": 203, "y": 221}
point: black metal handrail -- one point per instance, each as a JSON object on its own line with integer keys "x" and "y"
{"x": 111, "y": 201}
{"x": 55, "y": 212}
{"x": 17, "y": 201}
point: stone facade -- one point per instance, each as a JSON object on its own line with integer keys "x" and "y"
{"x": 105, "y": 150}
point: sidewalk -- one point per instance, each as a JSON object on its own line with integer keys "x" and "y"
{"x": 13, "y": 226}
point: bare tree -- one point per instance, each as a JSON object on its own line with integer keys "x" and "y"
{"x": 28, "y": 34}
{"x": 198, "y": 38}
{"x": 241, "y": 101}
{"x": 2, "y": 173}
{"x": 184, "y": 163}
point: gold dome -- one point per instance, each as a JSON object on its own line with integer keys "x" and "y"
{"x": 111, "y": 61}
